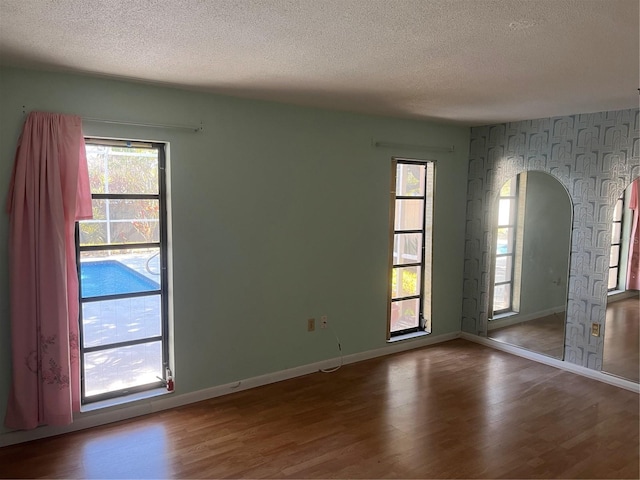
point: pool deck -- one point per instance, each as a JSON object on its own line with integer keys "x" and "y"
{"x": 122, "y": 320}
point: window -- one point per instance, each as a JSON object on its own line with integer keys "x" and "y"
{"x": 503, "y": 289}
{"x": 122, "y": 268}
{"x": 411, "y": 219}
{"x": 616, "y": 245}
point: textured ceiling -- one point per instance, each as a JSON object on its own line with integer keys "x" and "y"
{"x": 463, "y": 61}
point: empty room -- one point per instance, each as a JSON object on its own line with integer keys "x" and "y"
{"x": 319, "y": 239}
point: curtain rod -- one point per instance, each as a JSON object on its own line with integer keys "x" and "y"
{"x": 406, "y": 146}
{"x": 193, "y": 128}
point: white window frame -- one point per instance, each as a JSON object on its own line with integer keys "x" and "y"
{"x": 162, "y": 291}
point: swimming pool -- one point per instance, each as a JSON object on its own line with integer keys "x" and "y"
{"x": 110, "y": 277}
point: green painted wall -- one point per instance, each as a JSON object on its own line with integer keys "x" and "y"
{"x": 279, "y": 213}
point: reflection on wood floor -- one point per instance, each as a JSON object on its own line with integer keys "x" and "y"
{"x": 543, "y": 335}
{"x": 621, "y": 339}
{"x": 453, "y": 410}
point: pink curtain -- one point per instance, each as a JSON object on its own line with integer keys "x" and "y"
{"x": 633, "y": 265}
{"x": 49, "y": 190}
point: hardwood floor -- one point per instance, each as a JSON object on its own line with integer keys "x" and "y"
{"x": 622, "y": 339}
{"x": 453, "y": 410}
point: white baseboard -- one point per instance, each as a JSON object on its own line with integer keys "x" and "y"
{"x": 622, "y": 295}
{"x": 569, "y": 367}
{"x": 138, "y": 408}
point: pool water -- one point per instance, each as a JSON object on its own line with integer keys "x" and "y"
{"x": 110, "y": 277}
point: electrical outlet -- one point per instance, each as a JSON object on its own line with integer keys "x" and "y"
{"x": 595, "y": 329}
{"x": 324, "y": 322}
{"x": 311, "y": 324}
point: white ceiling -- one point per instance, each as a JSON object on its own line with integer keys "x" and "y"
{"x": 469, "y": 62}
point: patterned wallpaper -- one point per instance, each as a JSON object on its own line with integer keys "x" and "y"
{"x": 595, "y": 156}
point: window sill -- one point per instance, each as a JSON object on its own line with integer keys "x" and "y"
{"x": 114, "y": 402}
{"x": 408, "y": 336}
{"x": 500, "y": 316}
